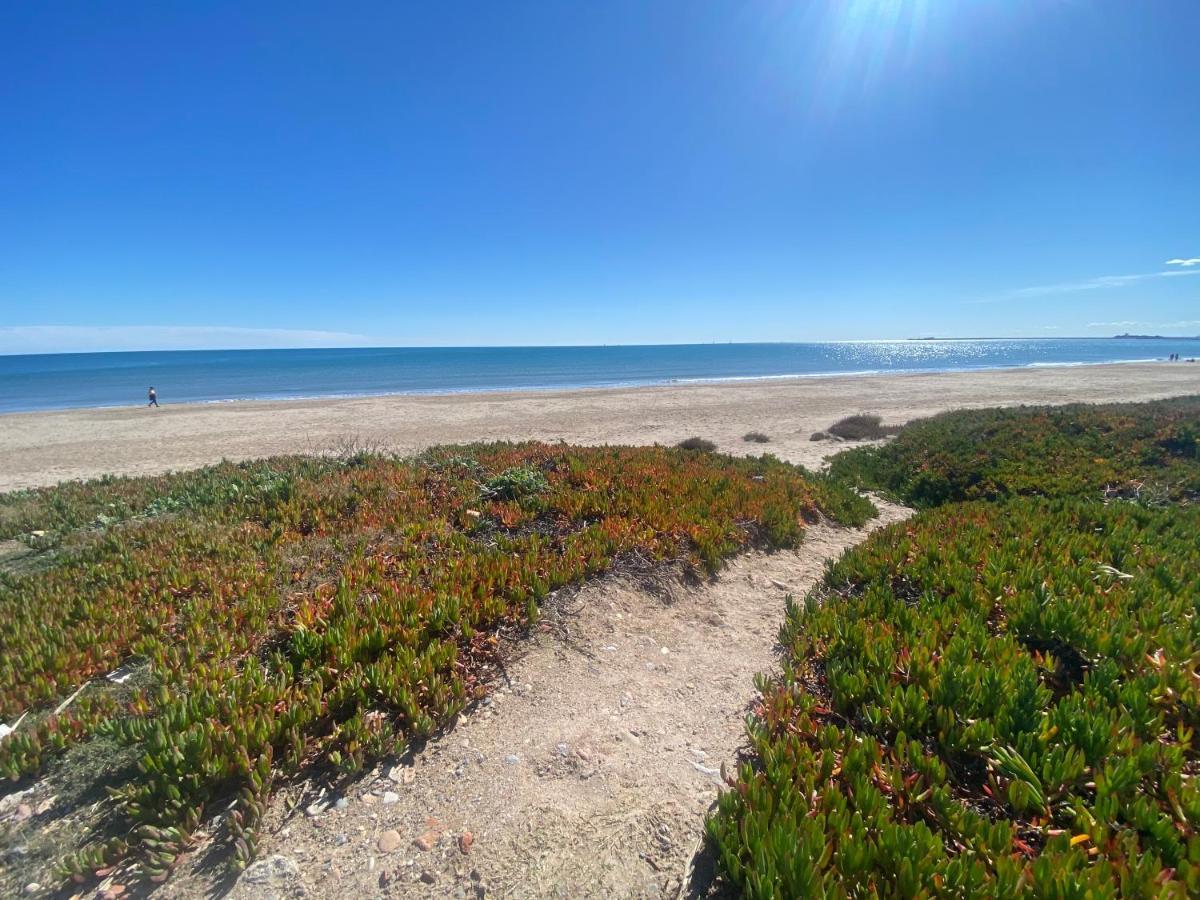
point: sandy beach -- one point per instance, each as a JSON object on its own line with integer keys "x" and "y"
{"x": 47, "y": 447}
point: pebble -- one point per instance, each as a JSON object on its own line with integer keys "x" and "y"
{"x": 427, "y": 840}
{"x": 389, "y": 841}
{"x": 342, "y": 803}
{"x": 271, "y": 870}
{"x": 512, "y": 759}
{"x": 341, "y": 840}
{"x": 315, "y": 809}
{"x": 561, "y": 749}
{"x": 428, "y": 877}
{"x": 391, "y": 797}
{"x": 465, "y": 840}
{"x": 32, "y": 888}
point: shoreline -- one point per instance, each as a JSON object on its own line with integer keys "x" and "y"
{"x": 45, "y": 447}
{"x": 614, "y": 386}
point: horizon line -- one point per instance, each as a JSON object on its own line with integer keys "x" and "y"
{"x": 571, "y": 346}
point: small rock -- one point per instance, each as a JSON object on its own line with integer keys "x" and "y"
{"x": 401, "y": 774}
{"x": 561, "y": 749}
{"x": 45, "y": 806}
{"x": 427, "y": 840}
{"x": 342, "y": 803}
{"x": 512, "y": 759}
{"x": 271, "y": 870}
{"x": 465, "y": 840}
{"x": 583, "y": 753}
{"x": 112, "y": 892}
{"x": 315, "y": 809}
{"x": 24, "y": 811}
{"x": 32, "y": 888}
{"x": 389, "y": 841}
{"x": 428, "y": 877}
{"x": 391, "y": 797}
{"x": 370, "y": 799}
{"x": 665, "y": 650}
{"x": 340, "y": 840}
{"x": 779, "y": 584}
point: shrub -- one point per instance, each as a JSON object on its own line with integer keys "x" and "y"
{"x": 514, "y": 483}
{"x": 697, "y": 443}
{"x": 1124, "y": 449}
{"x": 861, "y": 428}
{"x": 992, "y": 699}
{"x": 755, "y": 437}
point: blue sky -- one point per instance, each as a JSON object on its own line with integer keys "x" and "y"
{"x": 278, "y": 174}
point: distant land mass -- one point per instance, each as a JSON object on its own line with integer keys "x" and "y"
{"x": 1155, "y": 337}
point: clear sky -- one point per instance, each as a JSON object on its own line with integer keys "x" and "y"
{"x": 297, "y": 174}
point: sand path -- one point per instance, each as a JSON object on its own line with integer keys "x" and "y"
{"x": 587, "y": 775}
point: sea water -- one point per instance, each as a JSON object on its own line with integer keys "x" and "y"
{"x": 59, "y": 381}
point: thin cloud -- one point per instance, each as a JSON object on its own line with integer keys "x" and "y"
{"x": 1091, "y": 284}
{"x": 1191, "y": 261}
{"x": 1130, "y": 323}
{"x": 91, "y": 339}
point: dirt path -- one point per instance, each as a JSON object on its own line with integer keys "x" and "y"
{"x": 589, "y": 776}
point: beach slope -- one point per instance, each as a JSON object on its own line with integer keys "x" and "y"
{"x": 47, "y": 447}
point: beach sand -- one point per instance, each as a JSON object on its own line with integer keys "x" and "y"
{"x": 47, "y": 447}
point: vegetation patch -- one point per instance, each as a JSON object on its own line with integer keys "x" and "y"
{"x": 862, "y": 427}
{"x": 755, "y": 437}
{"x": 327, "y": 612}
{"x": 994, "y": 698}
{"x": 697, "y": 443}
{"x": 988, "y": 700}
{"x": 1148, "y": 451}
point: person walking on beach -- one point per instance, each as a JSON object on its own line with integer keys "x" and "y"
{"x": 153, "y": 398}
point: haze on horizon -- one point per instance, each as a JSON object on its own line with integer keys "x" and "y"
{"x": 470, "y": 174}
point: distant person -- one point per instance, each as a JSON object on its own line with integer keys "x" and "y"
{"x": 153, "y": 395}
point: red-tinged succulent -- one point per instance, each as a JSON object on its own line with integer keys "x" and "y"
{"x": 294, "y": 613}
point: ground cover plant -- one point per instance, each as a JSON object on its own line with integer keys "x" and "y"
{"x": 1149, "y": 450}
{"x": 756, "y": 437}
{"x": 327, "y": 612}
{"x": 996, "y": 697}
{"x": 697, "y": 443}
{"x": 993, "y": 698}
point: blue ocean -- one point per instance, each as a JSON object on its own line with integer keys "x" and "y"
{"x": 61, "y": 381}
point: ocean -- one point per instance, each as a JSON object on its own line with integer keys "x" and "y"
{"x": 61, "y": 381}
